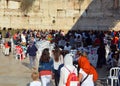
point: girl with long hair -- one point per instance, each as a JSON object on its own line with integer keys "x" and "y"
{"x": 57, "y": 60}
{"x": 45, "y": 67}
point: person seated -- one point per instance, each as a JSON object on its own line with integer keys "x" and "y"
{"x": 67, "y": 47}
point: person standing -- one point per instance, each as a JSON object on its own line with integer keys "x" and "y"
{"x": 0, "y": 39}
{"x": 116, "y": 4}
{"x": 65, "y": 70}
{"x": 0, "y": 36}
{"x": 101, "y": 56}
{"x": 31, "y": 50}
{"x": 7, "y": 47}
{"x": 45, "y": 67}
{"x": 87, "y": 73}
{"x": 57, "y": 60}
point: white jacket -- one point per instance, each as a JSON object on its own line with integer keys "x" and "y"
{"x": 68, "y": 62}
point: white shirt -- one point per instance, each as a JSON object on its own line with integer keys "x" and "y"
{"x": 57, "y": 64}
{"x": 88, "y": 81}
{"x": 68, "y": 48}
{"x": 23, "y": 38}
{"x": 35, "y": 83}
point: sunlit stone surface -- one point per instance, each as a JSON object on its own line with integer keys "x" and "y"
{"x": 59, "y": 14}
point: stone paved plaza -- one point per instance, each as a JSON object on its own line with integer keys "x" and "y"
{"x": 13, "y": 72}
{"x": 16, "y": 73}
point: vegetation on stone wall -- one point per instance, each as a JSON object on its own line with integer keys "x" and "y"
{"x": 26, "y": 5}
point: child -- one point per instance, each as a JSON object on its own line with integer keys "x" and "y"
{"x": 35, "y": 78}
{"x": 32, "y": 52}
{"x": 7, "y": 47}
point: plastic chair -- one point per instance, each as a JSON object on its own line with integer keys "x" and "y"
{"x": 113, "y": 75}
{"x": 18, "y": 56}
{"x": 18, "y": 53}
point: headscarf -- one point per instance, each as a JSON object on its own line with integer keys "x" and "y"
{"x": 68, "y": 59}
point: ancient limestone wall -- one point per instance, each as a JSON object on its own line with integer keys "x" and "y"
{"x": 60, "y": 14}
{"x": 100, "y": 15}
{"x": 45, "y": 14}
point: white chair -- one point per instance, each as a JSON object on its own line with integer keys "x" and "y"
{"x": 18, "y": 56}
{"x": 113, "y": 75}
{"x": 18, "y": 53}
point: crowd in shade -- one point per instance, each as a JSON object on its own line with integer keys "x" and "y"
{"x": 58, "y": 53}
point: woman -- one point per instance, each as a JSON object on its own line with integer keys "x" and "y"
{"x": 87, "y": 73}
{"x": 58, "y": 60}
{"x": 45, "y": 67}
{"x": 101, "y": 56}
{"x": 64, "y": 73}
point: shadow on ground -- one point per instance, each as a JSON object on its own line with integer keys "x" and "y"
{"x": 26, "y": 65}
{"x": 28, "y": 84}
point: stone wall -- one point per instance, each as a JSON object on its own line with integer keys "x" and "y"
{"x": 100, "y": 15}
{"x": 59, "y": 14}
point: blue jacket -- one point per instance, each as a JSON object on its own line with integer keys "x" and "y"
{"x": 46, "y": 65}
{"x": 31, "y": 50}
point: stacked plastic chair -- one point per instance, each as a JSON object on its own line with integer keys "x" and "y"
{"x": 114, "y": 76}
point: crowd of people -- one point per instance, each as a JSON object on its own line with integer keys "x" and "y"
{"x": 78, "y": 51}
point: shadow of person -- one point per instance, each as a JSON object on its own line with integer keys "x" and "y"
{"x": 28, "y": 84}
{"x": 26, "y": 65}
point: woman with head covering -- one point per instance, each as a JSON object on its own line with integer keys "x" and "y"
{"x": 68, "y": 65}
{"x": 45, "y": 67}
{"x": 87, "y": 73}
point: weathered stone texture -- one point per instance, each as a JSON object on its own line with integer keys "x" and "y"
{"x": 58, "y": 14}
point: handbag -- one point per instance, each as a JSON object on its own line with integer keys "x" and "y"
{"x": 84, "y": 79}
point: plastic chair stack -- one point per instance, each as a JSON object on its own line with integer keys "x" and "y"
{"x": 113, "y": 75}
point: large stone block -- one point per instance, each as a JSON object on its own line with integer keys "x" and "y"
{"x": 13, "y": 5}
{"x": 71, "y": 13}
{"x": 61, "y": 13}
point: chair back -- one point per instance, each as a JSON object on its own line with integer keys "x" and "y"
{"x": 114, "y": 71}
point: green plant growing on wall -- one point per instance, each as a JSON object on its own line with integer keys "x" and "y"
{"x": 26, "y": 5}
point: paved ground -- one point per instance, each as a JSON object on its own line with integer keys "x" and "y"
{"x": 16, "y": 73}
{"x": 13, "y": 72}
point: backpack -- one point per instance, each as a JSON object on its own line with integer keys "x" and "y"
{"x": 72, "y": 79}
